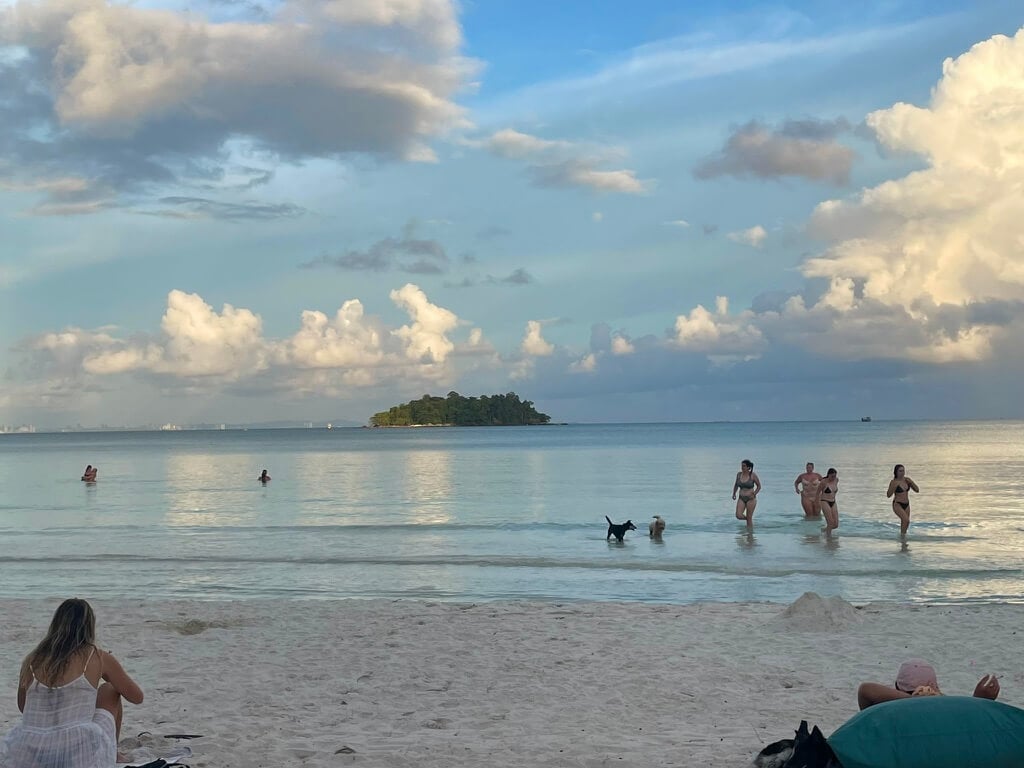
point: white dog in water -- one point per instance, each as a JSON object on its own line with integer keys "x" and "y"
{"x": 656, "y": 527}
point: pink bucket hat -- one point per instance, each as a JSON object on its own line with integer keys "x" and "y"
{"x": 914, "y": 673}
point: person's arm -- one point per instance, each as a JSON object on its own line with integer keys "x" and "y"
{"x": 796, "y": 483}
{"x": 735, "y": 486}
{"x": 888, "y": 492}
{"x": 757, "y": 483}
{"x": 987, "y": 688}
{"x": 869, "y": 694}
{"x": 912, "y": 485}
{"x": 114, "y": 674}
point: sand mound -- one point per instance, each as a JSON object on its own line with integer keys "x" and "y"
{"x": 813, "y": 613}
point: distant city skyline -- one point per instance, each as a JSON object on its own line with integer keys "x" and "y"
{"x": 282, "y": 211}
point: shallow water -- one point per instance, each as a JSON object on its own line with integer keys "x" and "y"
{"x": 486, "y": 513}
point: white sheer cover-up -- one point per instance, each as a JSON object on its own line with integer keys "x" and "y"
{"x": 61, "y": 728}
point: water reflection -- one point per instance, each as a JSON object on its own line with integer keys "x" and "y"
{"x": 205, "y": 489}
{"x": 746, "y": 540}
{"x": 428, "y": 486}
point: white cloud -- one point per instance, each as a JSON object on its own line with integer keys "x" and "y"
{"x": 426, "y": 339}
{"x": 947, "y": 237}
{"x": 597, "y": 217}
{"x": 586, "y": 364}
{"x": 755, "y": 236}
{"x": 718, "y": 332}
{"x": 622, "y": 346}
{"x": 682, "y": 223}
{"x": 534, "y": 344}
{"x": 517, "y": 145}
{"x": 348, "y": 340}
{"x": 197, "y": 342}
{"x": 556, "y": 163}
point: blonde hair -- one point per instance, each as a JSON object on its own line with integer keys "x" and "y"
{"x": 72, "y": 627}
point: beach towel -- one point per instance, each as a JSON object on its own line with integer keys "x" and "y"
{"x": 932, "y": 732}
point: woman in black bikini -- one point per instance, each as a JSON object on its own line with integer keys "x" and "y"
{"x": 827, "y": 491}
{"x": 899, "y": 491}
{"x": 748, "y": 485}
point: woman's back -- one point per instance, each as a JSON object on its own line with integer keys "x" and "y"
{"x": 61, "y": 726}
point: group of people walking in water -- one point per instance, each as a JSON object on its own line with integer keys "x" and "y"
{"x": 818, "y": 494}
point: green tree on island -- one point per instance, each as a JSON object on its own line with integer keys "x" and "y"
{"x": 456, "y": 410}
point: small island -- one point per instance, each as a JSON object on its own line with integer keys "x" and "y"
{"x": 458, "y": 411}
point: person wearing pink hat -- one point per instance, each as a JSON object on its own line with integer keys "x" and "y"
{"x": 916, "y": 677}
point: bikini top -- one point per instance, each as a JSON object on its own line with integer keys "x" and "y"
{"x": 748, "y": 484}
{"x": 827, "y": 491}
{"x": 901, "y": 489}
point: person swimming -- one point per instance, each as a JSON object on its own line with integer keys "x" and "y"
{"x": 89, "y": 475}
{"x": 899, "y": 491}
{"x": 264, "y": 477}
{"x": 747, "y": 485}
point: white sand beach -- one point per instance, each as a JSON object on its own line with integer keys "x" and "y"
{"x": 405, "y": 683}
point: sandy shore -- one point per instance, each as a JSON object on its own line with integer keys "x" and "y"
{"x": 383, "y": 683}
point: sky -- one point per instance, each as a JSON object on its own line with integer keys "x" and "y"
{"x": 247, "y": 211}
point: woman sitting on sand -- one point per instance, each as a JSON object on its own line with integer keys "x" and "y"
{"x": 807, "y": 486}
{"x": 748, "y": 485}
{"x": 899, "y": 491}
{"x": 70, "y": 717}
{"x": 826, "y": 498}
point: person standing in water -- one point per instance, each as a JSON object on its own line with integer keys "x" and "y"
{"x": 264, "y": 477}
{"x": 899, "y": 491}
{"x": 747, "y": 485}
{"x": 807, "y": 486}
{"x": 826, "y": 498}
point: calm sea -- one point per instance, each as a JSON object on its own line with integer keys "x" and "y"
{"x": 487, "y": 513}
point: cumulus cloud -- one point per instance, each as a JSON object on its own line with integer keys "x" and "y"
{"x": 718, "y": 332}
{"x": 755, "y": 236}
{"x": 804, "y": 148}
{"x": 425, "y": 337}
{"x": 197, "y": 341}
{"x": 557, "y": 163}
{"x": 200, "y": 347}
{"x": 128, "y": 96}
{"x": 534, "y": 344}
{"x": 622, "y": 346}
{"x": 407, "y": 253}
{"x": 926, "y": 267}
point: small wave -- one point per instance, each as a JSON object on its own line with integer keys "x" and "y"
{"x": 767, "y": 571}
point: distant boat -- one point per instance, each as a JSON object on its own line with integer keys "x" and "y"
{"x": 865, "y": 418}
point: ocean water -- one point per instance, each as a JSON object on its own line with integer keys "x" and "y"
{"x": 495, "y": 513}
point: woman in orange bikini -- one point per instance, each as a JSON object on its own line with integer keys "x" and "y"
{"x": 899, "y": 491}
{"x": 807, "y": 486}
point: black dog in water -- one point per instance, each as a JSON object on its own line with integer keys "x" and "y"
{"x": 618, "y": 529}
{"x": 808, "y": 750}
